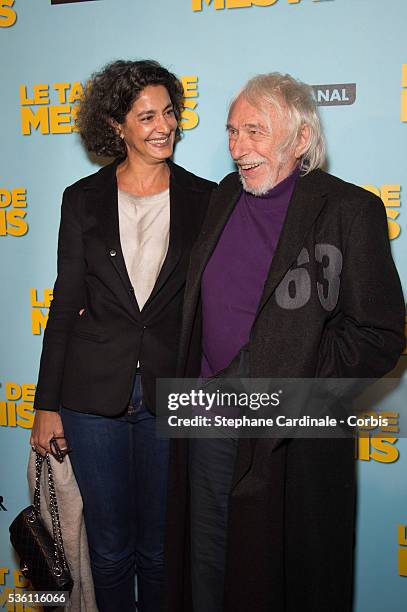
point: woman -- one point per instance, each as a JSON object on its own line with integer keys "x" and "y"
{"x": 113, "y": 327}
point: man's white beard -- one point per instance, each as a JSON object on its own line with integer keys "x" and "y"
{"x": 260, "y": 190}
{"x": 270, "y": 181}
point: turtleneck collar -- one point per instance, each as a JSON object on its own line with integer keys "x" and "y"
{"x": 283, "y": 186}
{"x": 278, "y": 197}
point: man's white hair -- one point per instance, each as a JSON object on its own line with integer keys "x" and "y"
{"x": 296, "y": 99}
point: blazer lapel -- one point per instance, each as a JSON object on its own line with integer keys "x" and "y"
{"x": 306, "y": 203}
{"x": 178, "y": 201}
{"x": 104, "y": 192}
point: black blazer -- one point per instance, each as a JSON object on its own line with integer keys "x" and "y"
{"x": 332, "y": 306}
{"x": 88, "y": 362}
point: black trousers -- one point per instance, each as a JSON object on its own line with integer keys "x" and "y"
{"x": 211, "y": 466}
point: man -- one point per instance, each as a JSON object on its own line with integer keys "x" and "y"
{"x": 292, "y": 277}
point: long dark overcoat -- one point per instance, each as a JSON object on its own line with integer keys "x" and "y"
{"x": 332, "y": 306}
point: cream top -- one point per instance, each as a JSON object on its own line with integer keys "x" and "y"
{"x": 144, "y": 224}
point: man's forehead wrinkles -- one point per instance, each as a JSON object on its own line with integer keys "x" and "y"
{"x": 247, "y": 125}
{"x": 256, "y": 124}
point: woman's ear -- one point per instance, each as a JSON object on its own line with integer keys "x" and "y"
{"x": 117, "y": 127}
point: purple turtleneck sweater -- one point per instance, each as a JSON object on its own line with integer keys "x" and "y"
{"x": 234, "y": 277}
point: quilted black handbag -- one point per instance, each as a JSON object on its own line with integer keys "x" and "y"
{"x": 42, "y": 555}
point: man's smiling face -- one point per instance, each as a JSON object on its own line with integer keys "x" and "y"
{"x": 256, "y": 144}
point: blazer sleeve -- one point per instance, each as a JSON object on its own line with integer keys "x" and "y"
{"x": 69, "y": 298}
{"x": 365, "y": 337}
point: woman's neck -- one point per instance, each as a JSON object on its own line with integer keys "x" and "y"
{"x": 142, "y": 179}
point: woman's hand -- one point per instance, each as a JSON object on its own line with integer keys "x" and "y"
{"x": 46, "y": 425}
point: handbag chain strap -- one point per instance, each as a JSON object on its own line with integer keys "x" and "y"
{"x": 56, "y": 523}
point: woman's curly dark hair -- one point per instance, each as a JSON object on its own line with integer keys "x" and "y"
{"x": 110, "y": 95}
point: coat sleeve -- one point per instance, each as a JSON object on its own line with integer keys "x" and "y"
{"x": 365, "y": 337}
{"x": 69, "y": 298}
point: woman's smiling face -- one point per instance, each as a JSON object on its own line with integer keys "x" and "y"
{"x": 149, "y": 127}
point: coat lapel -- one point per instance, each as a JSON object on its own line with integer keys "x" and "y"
{"x": 306, "y": 203}
{"x": 222, "y": 203}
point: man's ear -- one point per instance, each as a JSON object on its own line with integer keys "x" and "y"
{"x": 303, "y": 139}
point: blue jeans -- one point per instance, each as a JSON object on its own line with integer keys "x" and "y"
{"x": 121, "y": 468}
